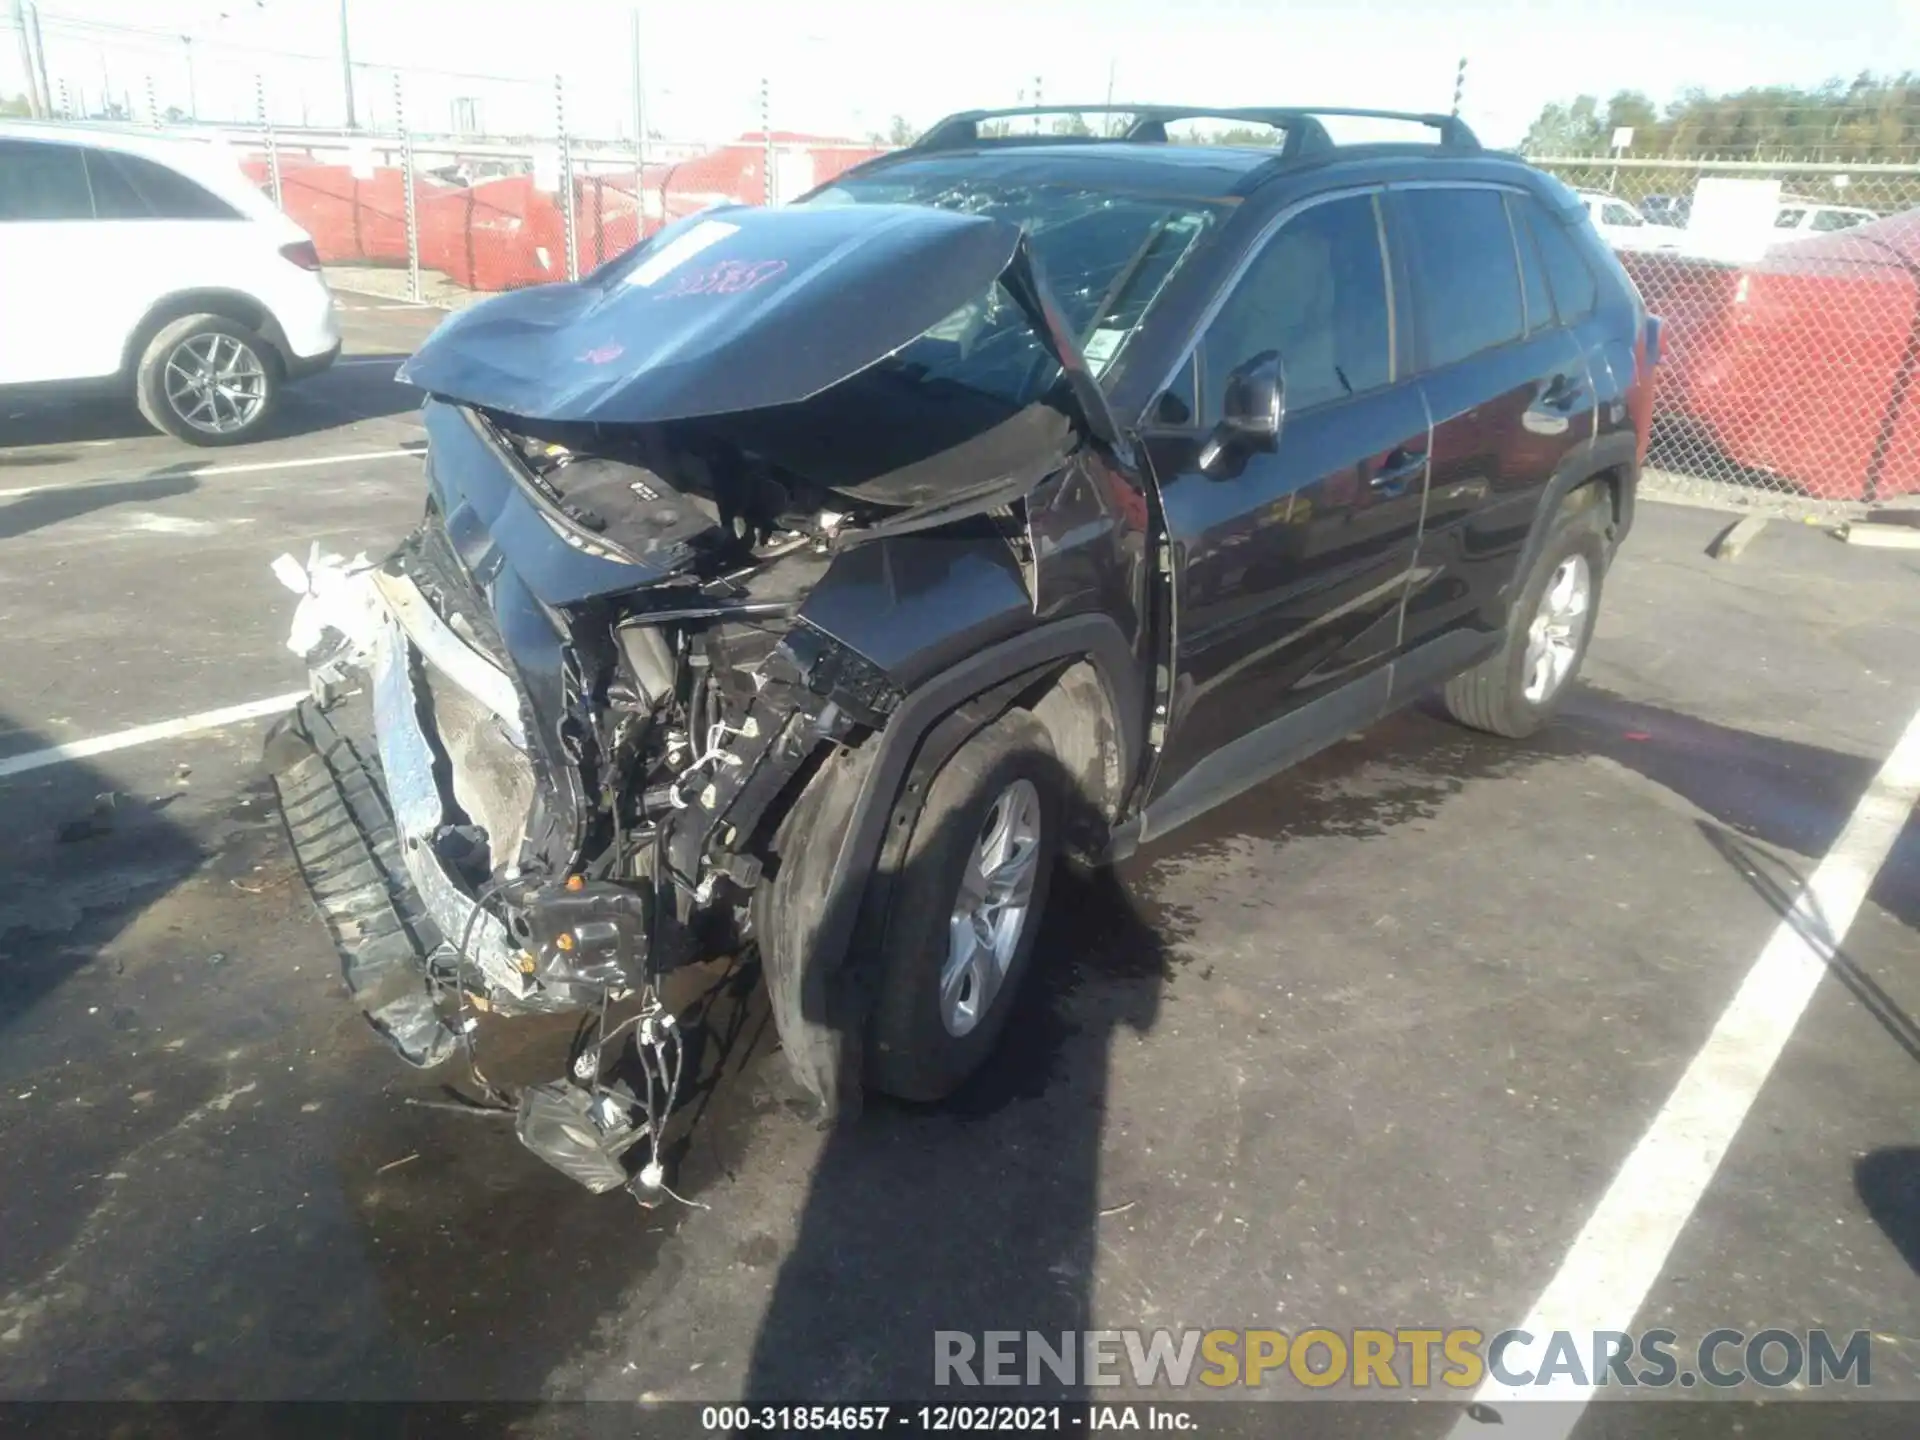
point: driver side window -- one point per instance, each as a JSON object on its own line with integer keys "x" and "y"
{"x": 1318, "y": 294}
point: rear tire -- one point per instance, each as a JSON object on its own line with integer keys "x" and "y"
{"x": 1517, "y": 690}
{"x": 965, "y": 911}
{"x": 207, "y": 380}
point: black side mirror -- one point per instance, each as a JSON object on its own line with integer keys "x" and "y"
{"x": 1253, "y": 406}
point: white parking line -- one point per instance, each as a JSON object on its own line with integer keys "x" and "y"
{"x": 146, "y": 734}
{"x": 1621, "y": 1251}
{"x": 371, "y": 360}
{"x": 252, "y": 467}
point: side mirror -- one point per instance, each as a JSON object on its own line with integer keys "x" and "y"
{"x": 1253, "y": 406}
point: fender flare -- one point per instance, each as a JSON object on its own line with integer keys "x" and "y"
{"x": 1616, "y": 454}
{"x": 818, "y": 1006}
{"x": 234, "y": 305}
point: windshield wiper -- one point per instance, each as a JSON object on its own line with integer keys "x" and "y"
{"x": 1124, "y": 279}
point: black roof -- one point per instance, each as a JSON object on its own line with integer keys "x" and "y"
{"x": 1201, "y": 171}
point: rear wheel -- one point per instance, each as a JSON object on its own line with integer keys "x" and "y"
{"x": 965, "y": 911}
{"x": 1517, "y": 691}
{"x": 207, "y": 380}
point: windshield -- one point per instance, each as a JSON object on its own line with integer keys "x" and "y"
{"x": 1840, "y": 219}
{"x": 1106, "y": 256}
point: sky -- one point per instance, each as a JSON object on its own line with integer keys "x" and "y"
{"x": 848, "y": 66}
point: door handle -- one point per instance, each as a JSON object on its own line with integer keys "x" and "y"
{"x": 1398, "y": 469}
{"x": 1562, "y": 393}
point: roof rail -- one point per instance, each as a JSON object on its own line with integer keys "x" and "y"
{"x": 1305, "y": 135}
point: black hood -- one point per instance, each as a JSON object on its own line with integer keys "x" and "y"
{"x": 738, "y": 308}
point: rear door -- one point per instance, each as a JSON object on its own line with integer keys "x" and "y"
{"x": 166, "y": 232}
{"x": 1511, "y": 399}
{"x": 1288, "y": 568}
{"x": 1597, "y": 303}
{"x": 50, "y": 259}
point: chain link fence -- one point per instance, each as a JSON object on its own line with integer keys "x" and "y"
{"x": 444, "y": 219}
{"x": 1789, "y": 292}
{"x": 1790, "y": 296}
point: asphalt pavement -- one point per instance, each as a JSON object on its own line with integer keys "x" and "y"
{"x": 1370, "y": 1047}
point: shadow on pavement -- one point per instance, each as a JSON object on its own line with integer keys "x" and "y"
{"x": 1781, "y": 886}
{"x": 363, "y": 389}
{"x": 1798, "y": 797}
{"x": 1780, "y": 793}
{"x": 1888, "y": 1182}
{"x": 79, "y": 863}
{"x": 978, "y": 1213}
{"x": 67, "y": 502}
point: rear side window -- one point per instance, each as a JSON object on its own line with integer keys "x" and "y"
{"x": 1469, "y": 272}
{"x": 1788, "y": 219}
{"x": 1836, "y": 220}
{"x": 131, "y": 187}
{"x": 1533, "y": 280}
{"x": 1575, "y": 291}
{"x": 42, "y": 182}
{"x": 1318, "y": 295}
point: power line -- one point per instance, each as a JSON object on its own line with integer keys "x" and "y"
{"x": 147, "y": 38}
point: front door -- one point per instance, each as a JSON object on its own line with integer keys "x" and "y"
{"x": 50, "y": 259}
{"x": 1289, "y": 565}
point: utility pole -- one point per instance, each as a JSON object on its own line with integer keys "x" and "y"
{"x": 40, "y": 58}
{"x": 346, "y": 67}
{"x": 193, "y": 93}
{"x": 34, "y": 102}
{"x": 639, "y": 140}
{"x": 766, "y": 141}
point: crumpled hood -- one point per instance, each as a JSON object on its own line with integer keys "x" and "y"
{"x": 732, "y": 309}
{"x": 737, "y": 308}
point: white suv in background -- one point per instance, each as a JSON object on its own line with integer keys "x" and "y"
{"x": 1811, "y": 217}
{"x": 154, "y": 265}
{"x": 1625, "y": 228}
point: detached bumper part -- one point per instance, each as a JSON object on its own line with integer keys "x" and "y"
{"x": 348, "y": 850}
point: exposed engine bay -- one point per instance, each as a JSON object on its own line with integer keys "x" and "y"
{"x": 571, "y": 875}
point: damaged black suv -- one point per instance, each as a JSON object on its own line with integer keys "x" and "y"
{"x": 813, "y": 578}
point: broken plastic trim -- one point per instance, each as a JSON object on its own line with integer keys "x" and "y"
{"x": 442, "y": 648}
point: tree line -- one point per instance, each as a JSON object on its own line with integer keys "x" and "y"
{"x": 1868, "y": 118}
{"x": 1871, "y": 117}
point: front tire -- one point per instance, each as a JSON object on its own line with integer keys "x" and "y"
{"x": 207, "y": 380}
{"x": 1518, "y": 689}
{"x": 965, "y": 911}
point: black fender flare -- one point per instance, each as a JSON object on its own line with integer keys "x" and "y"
{"x": 1616, "y": 454}
{"x": 846, "y": 813}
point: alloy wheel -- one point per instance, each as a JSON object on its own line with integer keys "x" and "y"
{"x": 1553, "y": 639}
{"x": 216, "y": 383}
{"x": 990, "y": 914}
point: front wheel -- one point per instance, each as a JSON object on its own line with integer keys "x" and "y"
{"x": 965, "y": 910}
{"x": 207, "y": 380}
{"x": 1517, "y": 691}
